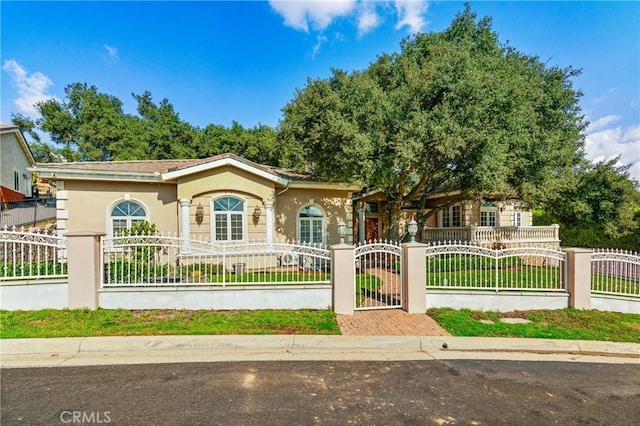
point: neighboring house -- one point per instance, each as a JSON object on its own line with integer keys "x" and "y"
{"x": 486, "y": 222}
{"x": 15, "y": 160}
{"x": 224, "y": 198}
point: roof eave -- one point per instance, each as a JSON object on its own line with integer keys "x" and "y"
{"x": 221, "y": 163}
{"x": 68, "y": 174}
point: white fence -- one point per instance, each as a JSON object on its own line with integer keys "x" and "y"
{"x": 615, "y": 272}
{"x": 460, "y": 265}
{"x": 153, "y": 271}
{"x": 31, "y": 255}
{"x": 378, "y": 277}
{"x": 162, "y": 260}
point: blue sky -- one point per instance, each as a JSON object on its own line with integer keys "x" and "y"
{"x": 222, "y": 61}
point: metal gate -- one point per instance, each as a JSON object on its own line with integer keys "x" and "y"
{"x": 378, "y": 282}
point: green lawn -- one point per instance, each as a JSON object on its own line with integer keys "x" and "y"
{"x": 366, "y": 283}
{"x": 612, "y": 284}
{"x": 528, "y": 277}
{"x": 120, "y": 322}
{"x": 550, "y": 324}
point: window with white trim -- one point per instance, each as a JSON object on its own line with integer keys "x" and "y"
{"x": 451, "y": 217}
{"x": 517, "y": 218}
{"x": 124, "y": 215}
{"x": 16, "y": 181}
{"x": 488, "y": 214}
{"x": 311, "y": 225}
{"x": 228, "y": 224}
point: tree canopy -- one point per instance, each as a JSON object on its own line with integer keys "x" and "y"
{"x": 452, "y": 111}
{"x": 91, "y": 126}
{"x": 604, "y": 198}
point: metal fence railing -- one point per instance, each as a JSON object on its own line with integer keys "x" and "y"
{"x": 27, "y": 212}
{"x": 164, "y": 260}
{"x": 459, "y": 265}
{"x": 31, "y": 255}
{"x": 615, "y": 272}
{"x": 378, "y": 277}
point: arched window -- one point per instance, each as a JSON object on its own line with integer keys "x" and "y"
{"x": 228, "y": 219}
{"x": 311, "y": 225}
{"x": 125, "y": 214}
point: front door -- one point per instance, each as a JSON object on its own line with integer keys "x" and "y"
{"x": 371, "y": 229}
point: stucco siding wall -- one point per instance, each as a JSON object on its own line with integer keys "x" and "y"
{"x": 202, "y": 188}
{"x": 13, "y": 158}
{"x": 335, "y": 203}
{"x": 255, "y": 229}
{"x": 88, "y": 205}
{"x": 294, "y": 297}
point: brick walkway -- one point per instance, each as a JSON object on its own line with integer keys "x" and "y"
{"x": 389, "y": 322}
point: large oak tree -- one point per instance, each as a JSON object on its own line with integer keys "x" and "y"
{"x": 452, "y": 111}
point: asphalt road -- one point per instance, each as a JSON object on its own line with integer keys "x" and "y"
{"x": 301, "y": 393}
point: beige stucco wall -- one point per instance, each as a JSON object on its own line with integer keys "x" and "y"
{"x": 335, "y": 203}
{"x": 87, "y": 205}
{"x": 204, "y": 187}
{"x": 13, "y": 158}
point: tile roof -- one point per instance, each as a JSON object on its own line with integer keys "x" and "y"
{"x": 163, "y": 166}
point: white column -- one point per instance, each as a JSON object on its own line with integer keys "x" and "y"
{"x": 268, "y": 207}
{"x": 361, "y": 235}
{"x": 185, "y": 230}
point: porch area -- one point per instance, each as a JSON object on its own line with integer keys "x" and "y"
{"x": 501, "y": 236}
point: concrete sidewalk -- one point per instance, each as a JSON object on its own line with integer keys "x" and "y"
{"x": 81, "y": 351}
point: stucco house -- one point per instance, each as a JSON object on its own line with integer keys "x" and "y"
{"x": 224, "y": 198}
{"x": 15, "y": 160}
{"x": 489, "y": 222}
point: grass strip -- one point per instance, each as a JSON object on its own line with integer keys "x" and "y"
{"x": 567, "y": 323}
{"x": 122, "y": 322}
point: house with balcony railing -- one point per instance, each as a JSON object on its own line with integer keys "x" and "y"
{"x": 492, "y": 223}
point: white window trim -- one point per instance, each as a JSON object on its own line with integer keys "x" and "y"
{"x": 520, "y": 216}
{"x": 488, "y": 210}
{"x": 112, "y": 206}
{"x": 212, "y": 220}
{"x": 450, "y": 210}
{"x": 324, "y": 221}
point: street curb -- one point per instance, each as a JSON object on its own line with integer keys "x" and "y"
{"x": 77, "y": 351}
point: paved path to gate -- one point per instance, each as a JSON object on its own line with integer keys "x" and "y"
{"x": 389, "y": 322}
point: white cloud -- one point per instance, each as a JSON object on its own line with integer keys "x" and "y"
{"x": 605, "y": 144}
{"x": 321, "y": 39}
{"x": 299, "y": 14}
{"x": 31, "y": 88}
{"x": 602, "y": 122}
{"x": 317, "y": 15}
{"x": 112, "y": 52}
{"x": 368, "y": 19}
{"x": 410, "y": 14}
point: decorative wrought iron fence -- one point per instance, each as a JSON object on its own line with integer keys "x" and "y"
{"x": 164, "y": 260}
{"x": 615, "y": 272}
{"x": 31, "y": 254}
{"x": 378, "y": 277}
{"x": 460, "y": 265}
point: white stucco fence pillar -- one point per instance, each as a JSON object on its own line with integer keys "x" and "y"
{"x": 84, "y": 269}
{"x": 415, "y": 277}
{"x": 185, "y": 228}
{"x": 343, "y": 276}
{"x": 579, "y": 277}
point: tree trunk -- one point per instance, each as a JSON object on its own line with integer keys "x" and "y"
{"x": 393, "y": 213}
